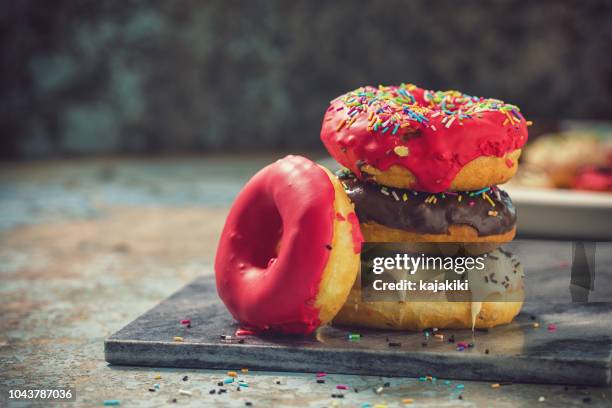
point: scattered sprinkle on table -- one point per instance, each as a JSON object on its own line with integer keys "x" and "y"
{"x": 460, "y": 386}
{"x": 321, "y": 374}
{"x": 407, "y": 400}
{"x": 157, "y": 377}
{"x": 185, "y": 392}
{"x": 228, "y": 380}
{"x": 541, "y": 399}
{"x": 112, "y": 403}
{"x": 185, "y": 321}
{"x": 354, "y": 336}
{"x": 232, "y": 374}
{"x": 185, "y": 378}
{"x": 496, "y": 385}
{"x": 244, "y": 370}
{"x": 342, "y": 387}
{"x": 536, "y": 325}
{"x": 552, "y": 327}
{"x": 394, "y": 344}
{"x": 178, "y": 339}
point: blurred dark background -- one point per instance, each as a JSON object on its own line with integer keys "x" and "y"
{"x": 130, "y": 77}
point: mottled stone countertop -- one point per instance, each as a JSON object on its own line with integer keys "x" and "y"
{"x": 88, "y": 245}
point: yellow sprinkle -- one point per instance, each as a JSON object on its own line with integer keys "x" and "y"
{"x": 157, "y": 377}
{"x": 496, "y": 385}
{"x": 407, "y": 400}
{"x": 232, "y": 374}
{"x": 340, "y": 125}
{"x": 435, "y": 200}
{"x": 529, "y": 123}
{"x": 486, "y": 197}
{"x": 353, "y": 119}
{"x": 178, "y": 338}
{"x": 380, "y": 406}
{"x": 244, "y": 370}
{"x": 401, "y": 151}
{"x": 371, "y": 115}
{"x": 459, "y": 198}
{"x": 439, "y": 336}
{"x": 405, "y": 197}
{"x": 536, "y": 325}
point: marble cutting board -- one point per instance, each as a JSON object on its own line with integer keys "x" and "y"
{"x": 579, "y": 351}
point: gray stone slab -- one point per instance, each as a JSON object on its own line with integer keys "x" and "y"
{"x": 578, "y": 352}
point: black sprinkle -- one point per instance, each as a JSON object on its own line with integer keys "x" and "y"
{"x": 152, "y": 389}
{"x": 189, "y": 326}
{"x": 493, "y": 257}
{"x": 586, "y": 399}
{"x": 487, "y": 351}
{"x": 212, "y": 391}
{"x": 174, "y": 400}
{"x": 248, "y": 404}
{"x": 238, "y": 388}
{"x": 461, "y": 397}
{"x": 337, "y": 395}
{"x": 395, "y": 344}
{"x": 320, "y": 381}
{"x": 241, "y": 341}
{"x": 355, "y": 389}
{"x": 221, "y": 391}
{"x": 387, "y": 339}
{"x": 328, "y": 247}
{"x": 185, "y": 378}
{"x": 220, "y": 383}
{"x": 486, "y": 279}
{"x": 387, "y": 384}
{"x": 278, "y": 382}
{"x": 532, "y": 317}
{"x": 470, "y": 345}
{"x": 424, "y": 344}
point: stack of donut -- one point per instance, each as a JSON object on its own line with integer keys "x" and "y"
{"x": 423, "y": 166}
{"x": 420, "y": 166}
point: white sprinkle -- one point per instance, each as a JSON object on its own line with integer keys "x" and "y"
{"x": 450, "y": 122}
{"x": 541, "y": 399}
{"x": 185, "y": 392}
{"x": 435, "y": 115}
{"x": 395, "y": 195}
{"x": 433, "y": 127}
{"x": 384, "y": 191}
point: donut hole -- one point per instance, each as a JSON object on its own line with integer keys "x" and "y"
{"x": 262, "y": 229}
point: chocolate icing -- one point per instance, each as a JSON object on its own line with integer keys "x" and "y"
{"x": 376, "y": 203}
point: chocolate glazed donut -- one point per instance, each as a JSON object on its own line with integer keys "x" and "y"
{"x": 398, "y": 215}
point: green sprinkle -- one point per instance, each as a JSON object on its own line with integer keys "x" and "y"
{"x": 111, "y": 403}
{"x": 354, "y": 336}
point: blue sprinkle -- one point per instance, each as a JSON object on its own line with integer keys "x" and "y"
{"x": 228, "y": 380}
{"x": 111, "y": 403}
{"x": 395, "y": 129}
{"x": 447, "y": 382}
{"x": 460, "y": 386}
{"x": 484, "y": 190}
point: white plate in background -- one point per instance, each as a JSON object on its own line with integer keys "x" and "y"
{"x": 568, "y": 214}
